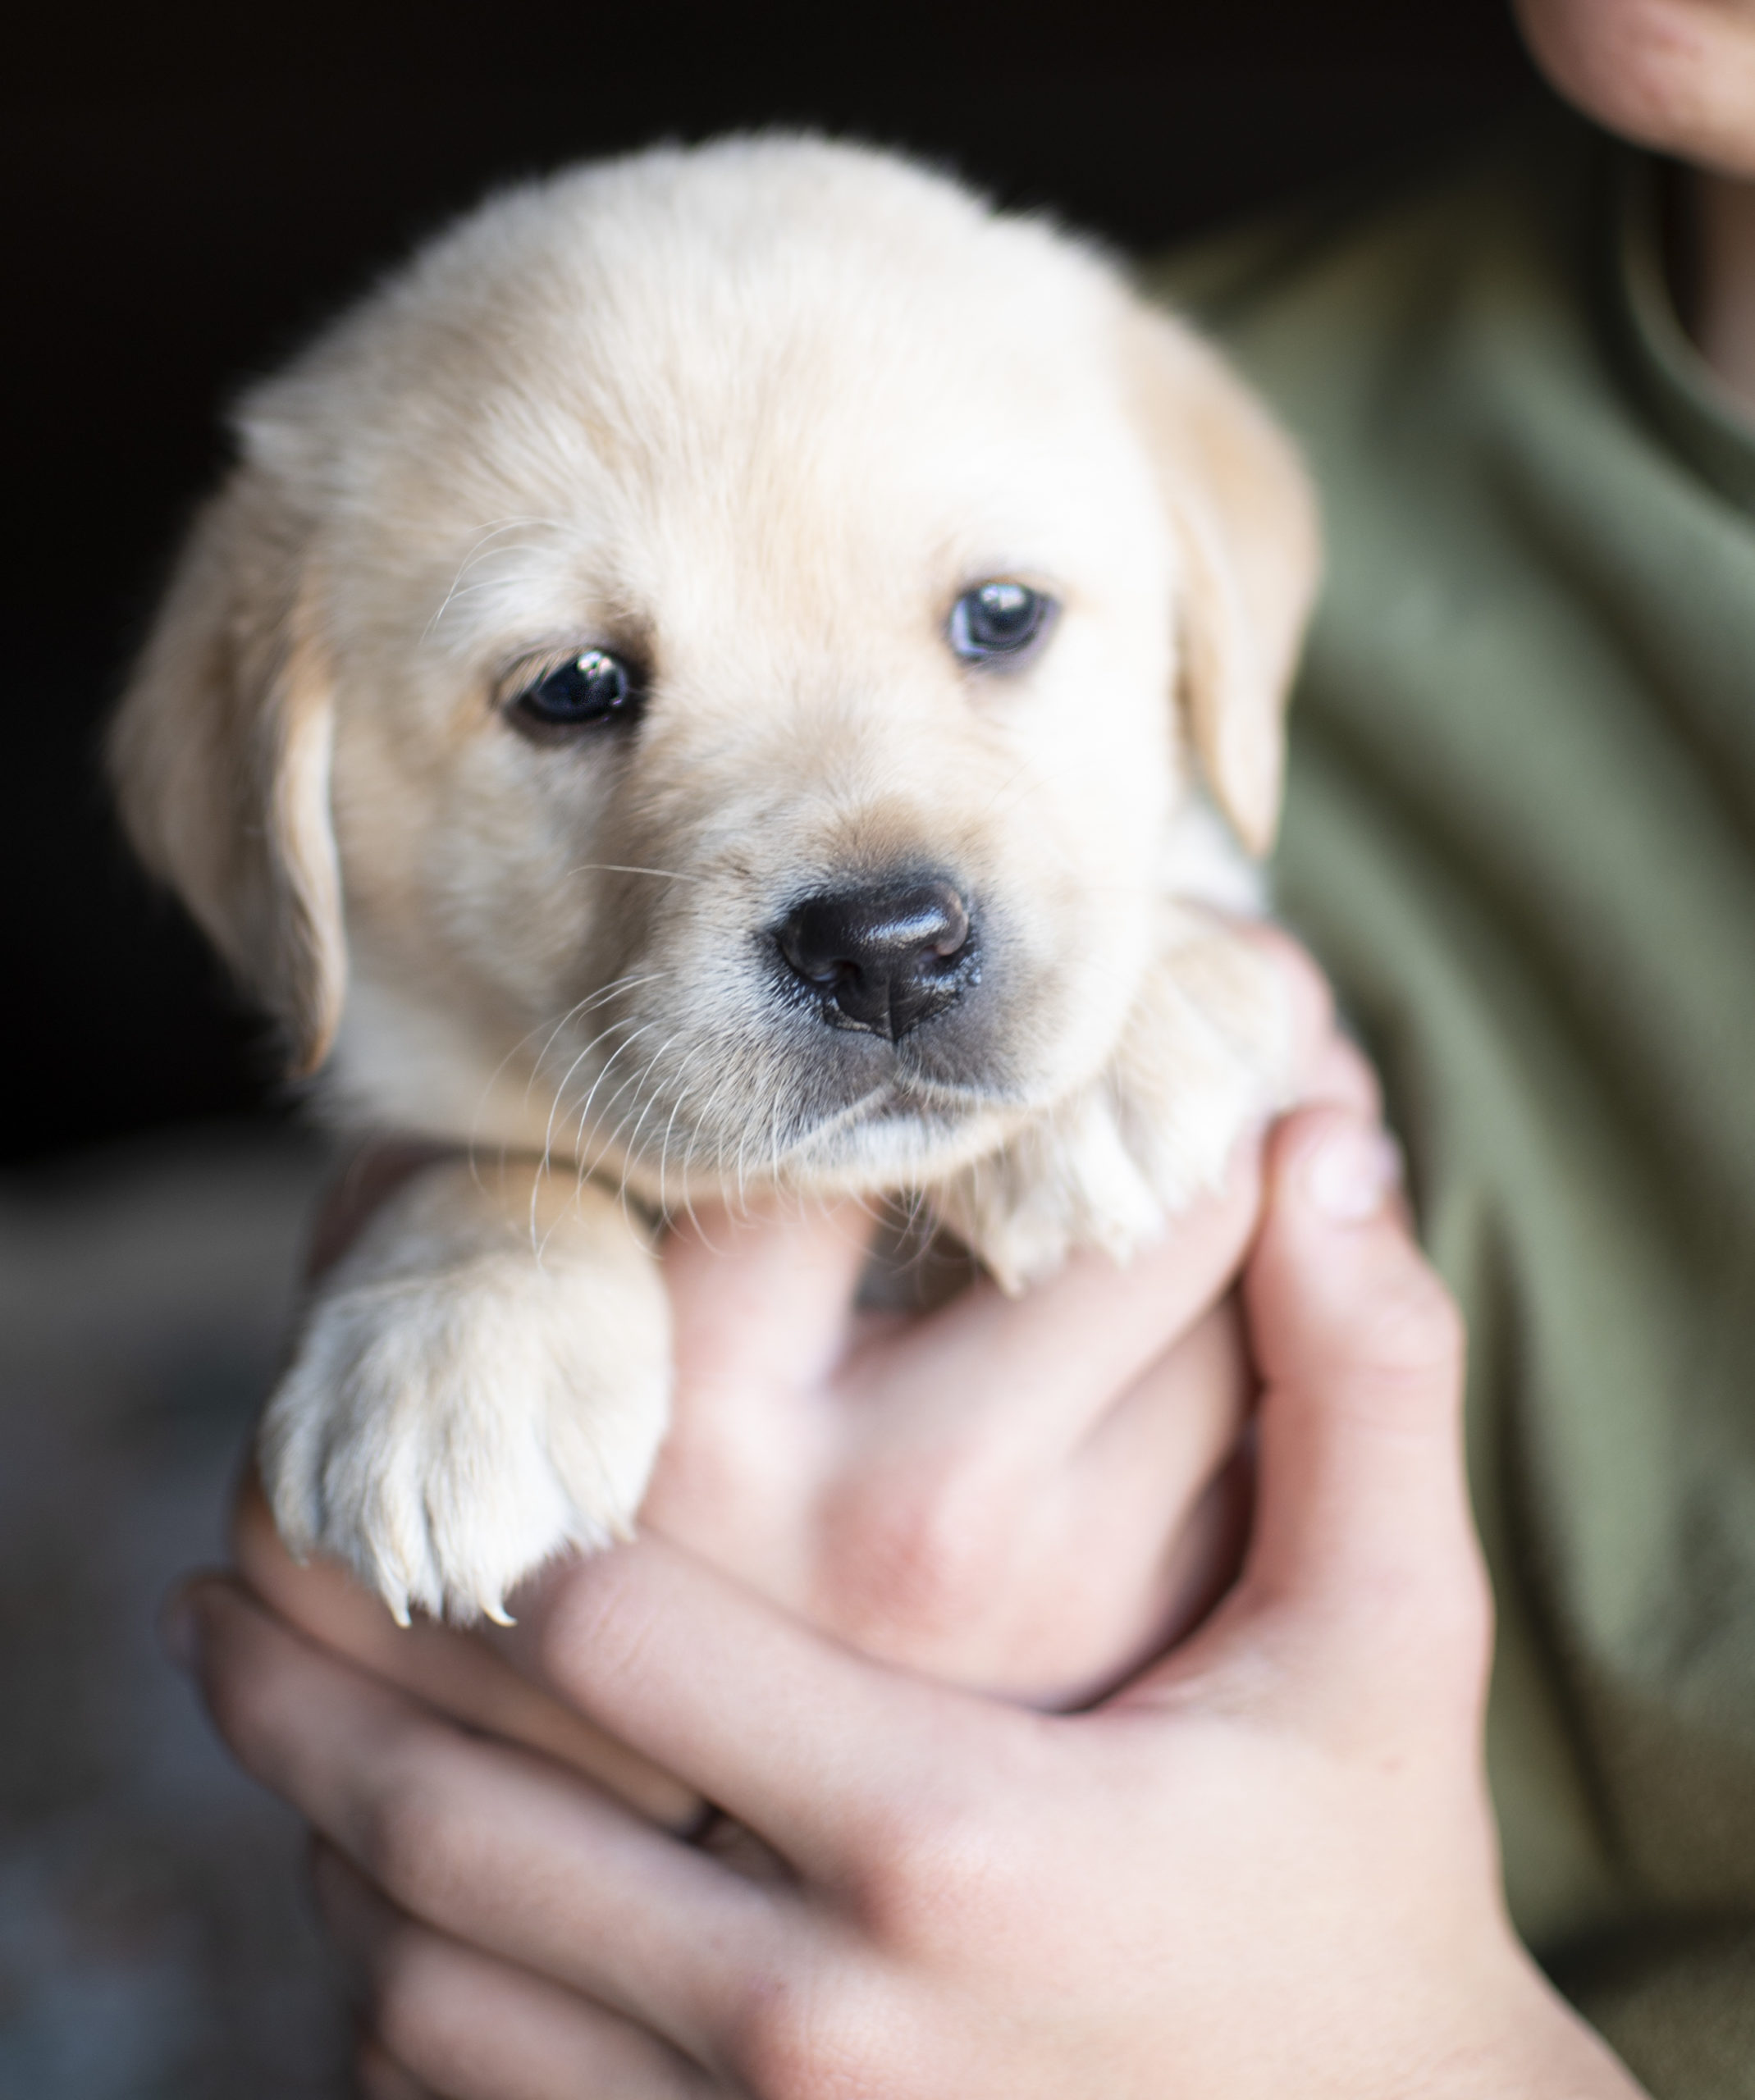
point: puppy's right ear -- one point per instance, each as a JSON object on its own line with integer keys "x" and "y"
{"x": 219, "y": 756}
{"x": 1245, "y": 513}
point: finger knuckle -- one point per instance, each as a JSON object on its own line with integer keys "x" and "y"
{"x": 237, "y": 1700}
{"x": 915, "y": 1564}
{"x": 593, "y": 1632}
{"x": 1412, "y": 1329}
{"x": 260, "y": 1709}
{"x": 942, "y": 1871}
{"x": 408, "y": 1841}
{"x": 808, "y": 2038}
{"x": 410, "y": 1989}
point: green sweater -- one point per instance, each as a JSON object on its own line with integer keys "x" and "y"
{"x": 1521, "y": 834}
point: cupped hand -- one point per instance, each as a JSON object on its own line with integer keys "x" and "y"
{"x": 1266, "y": 1866}
{"x": 1027, "y": 1497}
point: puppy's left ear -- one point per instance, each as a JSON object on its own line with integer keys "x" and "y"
{"x": 1245, "y": 516}
{"x": 219, "y": 755}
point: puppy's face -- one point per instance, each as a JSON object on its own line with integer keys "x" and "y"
{"x": 720, "y": 616}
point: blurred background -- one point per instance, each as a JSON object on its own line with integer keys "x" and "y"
{"x": 188, "y": 191}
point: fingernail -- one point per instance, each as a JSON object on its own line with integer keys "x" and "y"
{"x": 179, "y": 1631}
{"x": 1355, "y": 1169}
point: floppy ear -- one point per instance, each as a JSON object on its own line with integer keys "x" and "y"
{"x": 1246, "y": 515}
{"x": 219, "y": 756}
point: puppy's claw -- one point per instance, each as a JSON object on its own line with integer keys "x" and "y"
{"x": 445, "y": 1441}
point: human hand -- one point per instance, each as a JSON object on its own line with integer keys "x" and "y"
{"x": 1267, "y": 1865}
{"x": 1021, "y": 1497}
{"x": 1028, "y": 1498}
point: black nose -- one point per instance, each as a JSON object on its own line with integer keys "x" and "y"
{"x": 883, "y": 958}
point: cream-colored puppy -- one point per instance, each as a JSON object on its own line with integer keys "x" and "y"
{"x": 704, "y": 680}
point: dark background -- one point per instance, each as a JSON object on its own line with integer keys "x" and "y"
{"x": 189, "y": 191}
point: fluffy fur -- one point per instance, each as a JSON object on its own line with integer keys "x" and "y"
{"x": 755, "y": 415}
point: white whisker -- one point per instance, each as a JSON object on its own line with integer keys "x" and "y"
{"x": 630, "y": 1148}
{"x": 608, "y": 1063}
{"x": 546, "y": 1163}
{"x": 618, "y": 868}
{"x": 664, "y": 1151}
{"x": 582, "y": 1006}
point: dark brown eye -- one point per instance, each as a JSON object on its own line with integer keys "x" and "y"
{"x": 998, "y": 620}
{"x": 593, "y": 686}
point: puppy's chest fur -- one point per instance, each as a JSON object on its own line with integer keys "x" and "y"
{"x": 740, "y": 672}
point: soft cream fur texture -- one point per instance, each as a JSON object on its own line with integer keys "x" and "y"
{"x": 754, "y": 416}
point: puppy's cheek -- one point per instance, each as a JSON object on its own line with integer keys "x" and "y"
{"x": 477, "y": 915}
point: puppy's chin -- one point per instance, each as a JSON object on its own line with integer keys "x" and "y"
{"x": 896, "y": 1140}
{"x": 891, "y": 1139}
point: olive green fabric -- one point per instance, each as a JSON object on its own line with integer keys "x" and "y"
{"x": 1521, "y": 832}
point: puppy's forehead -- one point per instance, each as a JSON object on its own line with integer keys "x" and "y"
{"x": 776, "y": 339}
{"x": 734, "y": 283}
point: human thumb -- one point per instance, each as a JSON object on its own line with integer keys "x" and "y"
{"x": 1363, "y": 1539}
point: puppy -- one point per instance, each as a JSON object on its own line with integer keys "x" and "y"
{"x": 736, "y": 668}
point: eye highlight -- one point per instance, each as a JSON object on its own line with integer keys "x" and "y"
{"x": 594, "y": 685}
{"x": 998, "y": 621}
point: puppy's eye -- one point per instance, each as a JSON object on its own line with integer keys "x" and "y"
{"x": 998, "y": 620}
{"x": 593, "y": 686}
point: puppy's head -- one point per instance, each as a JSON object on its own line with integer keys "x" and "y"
{"x": 700, "y": 669}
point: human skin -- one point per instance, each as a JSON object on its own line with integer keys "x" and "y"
{"x": 1265, "y": 1865}
{"x": 1024, "y": 1498}
{"x": 1027, "y": 1497}
{"x": 1679, "y": 76}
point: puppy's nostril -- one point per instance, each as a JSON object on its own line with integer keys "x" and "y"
{"x": 883, "y": 958}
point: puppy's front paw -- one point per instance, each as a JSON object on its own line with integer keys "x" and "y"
{"x": 444, "y": 1435}
{"x": 1206, "y": 1053}
{"x": 1067, "y": 1180}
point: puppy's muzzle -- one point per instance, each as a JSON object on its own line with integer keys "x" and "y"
{"x": 882, "y": 958}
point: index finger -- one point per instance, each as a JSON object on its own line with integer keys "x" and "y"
{"x": 809, "y": 1744}
{"x": 1048, "y": 1366}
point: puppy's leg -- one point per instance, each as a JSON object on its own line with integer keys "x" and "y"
{"x": 1206, "y": 1053}
{"x": 483, "y": 1382}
